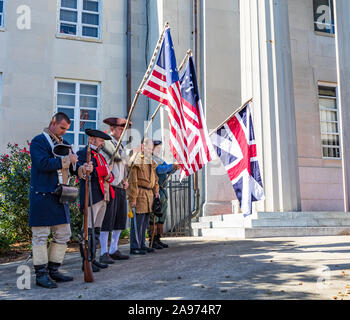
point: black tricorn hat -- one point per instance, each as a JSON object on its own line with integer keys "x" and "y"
{"x": 61, "y": 150}
{"x": 114, "y": 122}
{"x": 157, "y": 142}
{"x": 97, "y": 134}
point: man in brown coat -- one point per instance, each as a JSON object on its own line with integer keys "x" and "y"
{"x": 143, "y": 187}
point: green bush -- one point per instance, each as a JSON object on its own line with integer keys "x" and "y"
{"x": 14, "y": 193}
{"x": 14, "y": 198}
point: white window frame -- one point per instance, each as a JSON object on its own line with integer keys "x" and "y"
{"x": 2, "y": 14}
{"x": 330, "y": 25}
{"x": 76, "y": 107}
{"x": 79, "y": 24}
{"x": 330, "y": 85}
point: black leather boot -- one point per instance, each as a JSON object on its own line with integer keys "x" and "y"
{"x": 81, "y": 247}
{"x": 155, "y": 245}
{"x": 42, "y": 277}
{"x": 56, "y": 275}
{"x": 160, "y": 243}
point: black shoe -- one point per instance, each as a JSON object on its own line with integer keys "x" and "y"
{"x": 42, "y": 277}
{"x": 56, "y": 275}
{"x": 93, "y": 267}
{"x": 118, "y": 256}
{"x": 148, "y": 250}
{"x": 156, "y": 245}
{"x": 137, "y": 251}
{"x": 106, "y": 259}
{"x": 162, "y": 244}
{"x": 99, "y": 265}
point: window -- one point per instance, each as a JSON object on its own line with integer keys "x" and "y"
{"x": 2, "y": 10}
{"x": 327, "y": 96}
{"x": 80, "y": 18}
{"x": 81, "y": 102}
{"x": 324, "y": 16}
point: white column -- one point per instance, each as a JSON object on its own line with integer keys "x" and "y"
{"x": 342, "y": 22}
{"x": 266, "y": 75}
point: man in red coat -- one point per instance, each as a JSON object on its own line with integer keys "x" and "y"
{"x": 101, "y": 190}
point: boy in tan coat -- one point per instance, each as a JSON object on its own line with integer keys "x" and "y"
{"x": 143, "y": 187}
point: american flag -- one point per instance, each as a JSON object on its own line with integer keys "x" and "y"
{"x": 163, "y": 85}
{"x": 200, "y": 148}
{"x": 235, "y": 145}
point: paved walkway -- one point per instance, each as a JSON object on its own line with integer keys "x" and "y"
{"x": 193, "y": 268}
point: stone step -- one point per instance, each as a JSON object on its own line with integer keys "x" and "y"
{"x": 301, "y": 222}
{"x": 267, "y": 232}
{"x": 298, "y": 215}
{"x": 270, "y": 232}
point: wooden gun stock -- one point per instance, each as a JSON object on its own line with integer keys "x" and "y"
{"x": 88, "y": 276}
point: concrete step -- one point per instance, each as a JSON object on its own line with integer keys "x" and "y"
{"x": 301, "y": 222}
{"x": 298, "y": 215}
{"x": 269, "y": 232}
{"x": 222, "y": 233}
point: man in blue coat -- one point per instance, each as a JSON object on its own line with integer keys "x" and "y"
{"x": 46, "y": 213}
{"x": 163, "y": 170}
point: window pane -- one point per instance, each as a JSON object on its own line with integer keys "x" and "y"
{"x": 90, "y": 5}
{"x": 327, "y": 91}
{"x": 90, "y": 32}
{"x": 88, "y": 89}
{"x": 68, "y": 16}
{"x": 330, "y": 140}
{"x": 90, "y": 18}
{"x": 69, "y": 4}
{"x": 87, "y": 115}
{"x": 1, "y": 6}
{"x": 65, "y": 87}
{"x": 69, "y": 137}
{"x": 327, "y": 127}
{"x": 69, "y": 112}
{"x": 65, "y": 100}
{"x": 83, "y": 138}
{"x": 88, "y": 102}
{"x": 328, "y": 103}
{"x": 323, "y": 16}
{"x": 0, "y": 20}
{"x": 68, "y": 29}
{"x": 331, "y": 152}
{"x": 87, "y": 125}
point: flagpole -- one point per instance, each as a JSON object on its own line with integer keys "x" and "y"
{"x": 231, "y": 116}
{"x": 138, "y": 92}
{"x": 188, "y": 54}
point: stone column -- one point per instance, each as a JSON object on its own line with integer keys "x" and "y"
{"x": 266, "y": 75}
{"x": 342, "y": 22}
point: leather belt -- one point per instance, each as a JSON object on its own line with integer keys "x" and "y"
{"x": 145, "y": 188}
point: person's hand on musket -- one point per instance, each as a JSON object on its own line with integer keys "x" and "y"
{"x": 176, "y": 166}
{"x": 88, "y": 168}
{"x": 133, "y": 204}
{"x": 73, "y": 158}
{"x": 157, "y": 195}
{"x": 125, "y": 184}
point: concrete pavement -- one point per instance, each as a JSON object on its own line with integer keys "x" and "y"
{"x": 216, "y": 269}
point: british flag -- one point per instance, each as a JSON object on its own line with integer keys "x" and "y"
{"x": 235, "y": 145}
{"x": 163, "y": 85}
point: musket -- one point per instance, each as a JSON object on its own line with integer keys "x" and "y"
{"x": 88, "y": 276}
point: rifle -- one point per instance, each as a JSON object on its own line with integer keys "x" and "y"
{"x": 88, "y": 276}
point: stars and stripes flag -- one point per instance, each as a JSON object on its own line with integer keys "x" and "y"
{"x": 164, "y": 86}
{"x": 200, "y": 148}
{"x": 235, "y": 145}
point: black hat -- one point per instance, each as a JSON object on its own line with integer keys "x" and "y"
{"x": 157, "y": 142}
{"x": 97, "y": 134}
{"x": 116, "y": 122}
{"x": 61, "y": 150}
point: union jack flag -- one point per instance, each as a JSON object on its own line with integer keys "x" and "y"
{"x": 163, "y": 85}
{"x": 235, "y": 145}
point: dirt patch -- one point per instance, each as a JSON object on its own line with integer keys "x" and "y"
{"x": 21, "y": 251}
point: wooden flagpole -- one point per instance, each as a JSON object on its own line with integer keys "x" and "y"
{"x": 138, "y": 92}
{"x": 231, "y": 116}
